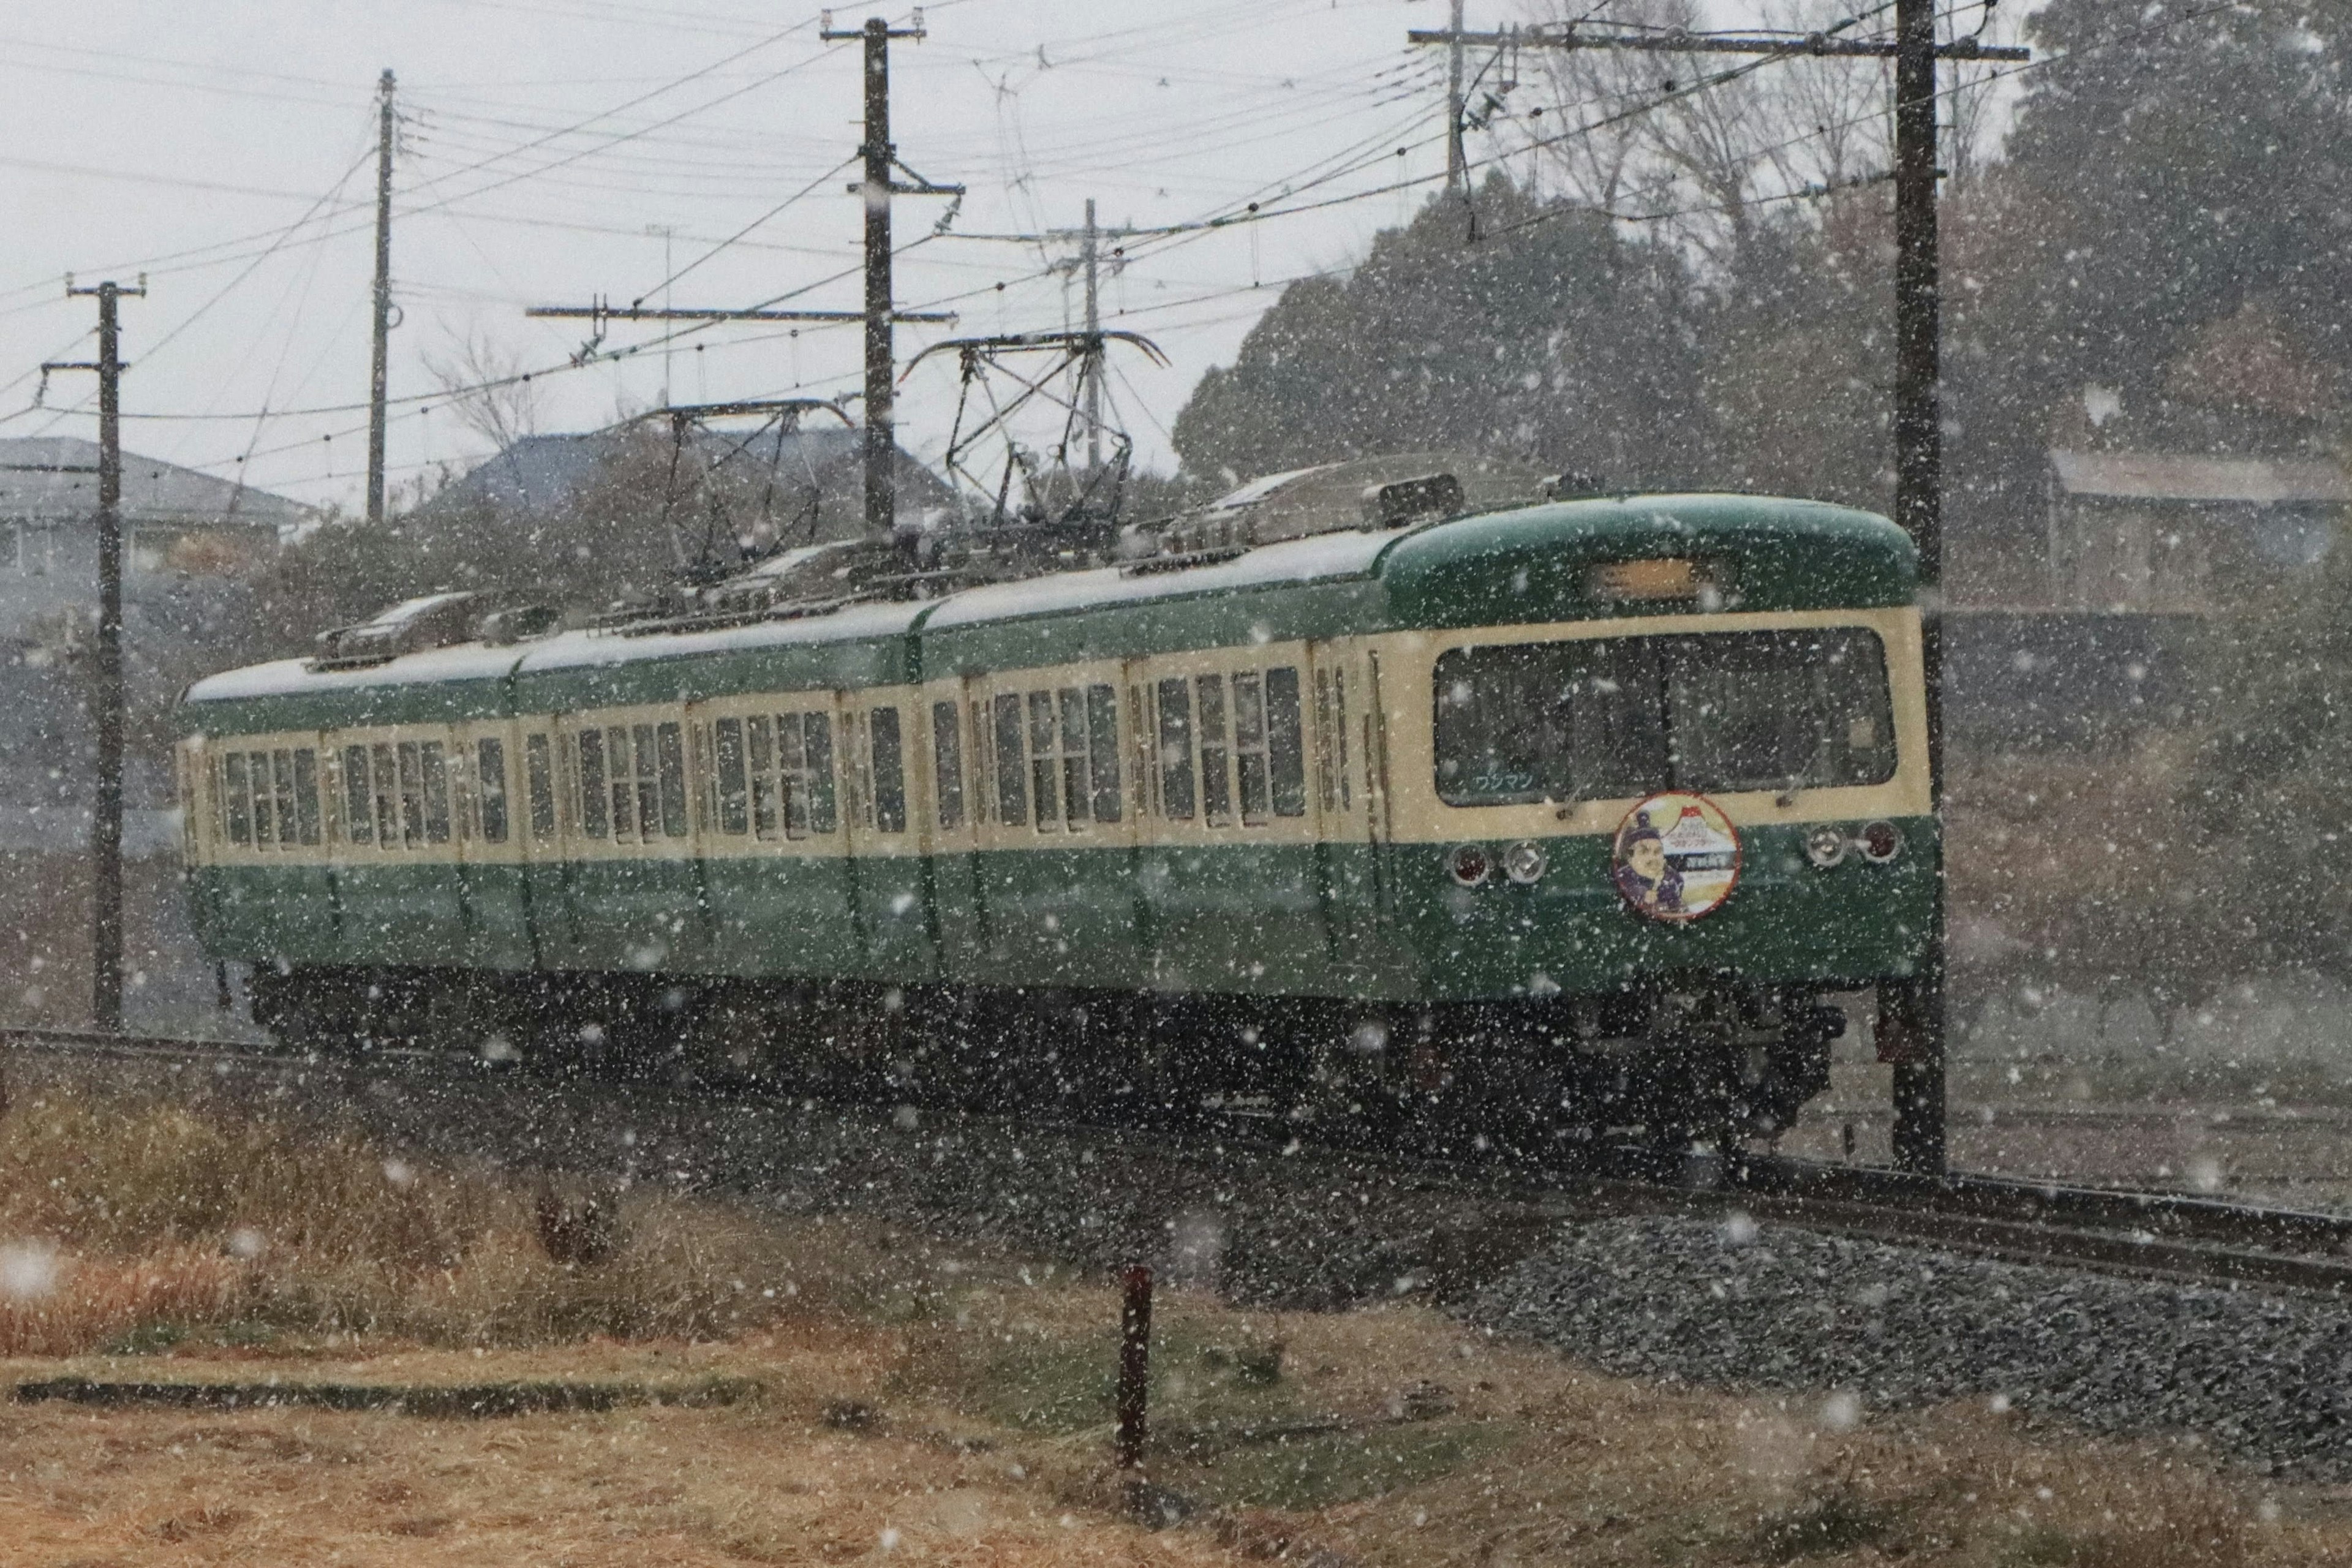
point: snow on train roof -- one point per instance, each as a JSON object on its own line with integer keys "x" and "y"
{"x": 1310, "y": 560}
{"x": 564, "y": 650}
{"x": 1314, "y": 559}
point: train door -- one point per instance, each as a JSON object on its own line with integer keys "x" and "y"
{"x": 882, "y": 801}
{"x": 397, "y": 880}
{"x": 493, "y": 858}
{"x": 953, "y": 725}
{"x": 630, "y": 885}
{"x": 1346, "y": 880}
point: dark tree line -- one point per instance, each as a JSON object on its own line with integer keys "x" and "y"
{"x": 2169, "y": 224}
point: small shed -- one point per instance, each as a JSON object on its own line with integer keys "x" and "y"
{"x": 2182, "y": 532}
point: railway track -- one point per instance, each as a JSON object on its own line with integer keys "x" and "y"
{"x": 2163, "y": 1235}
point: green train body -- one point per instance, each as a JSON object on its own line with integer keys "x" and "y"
{"x": 1244, "y": 796}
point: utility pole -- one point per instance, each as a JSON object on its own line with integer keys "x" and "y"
{"x": 880, "y": 315}
{"x": 380, "y": 367}
{"x": 106, "y": 810}
{"x": 1912, "y": 1013}
{"x": 1458, "y": 167}
{"x": 1917, "y": 1010}
{"x": 668, "y": 233}
{"x": 875, "y": 189}
{"x": 1089, "y": 257}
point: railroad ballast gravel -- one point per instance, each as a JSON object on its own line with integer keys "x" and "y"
{"x": 2265, "y": 1379}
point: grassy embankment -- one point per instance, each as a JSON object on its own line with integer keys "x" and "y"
{"x": 907, "y": 1398}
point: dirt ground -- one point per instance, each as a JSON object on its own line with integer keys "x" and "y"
{"x": 828, "y": 1389}
{"x": 978, "y": 1434}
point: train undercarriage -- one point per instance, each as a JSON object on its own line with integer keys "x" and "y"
{"x": 1708, "y": 1062}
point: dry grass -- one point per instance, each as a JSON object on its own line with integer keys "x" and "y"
{"x": 118, "y": 1220}
{"x": 919, "y": 1401}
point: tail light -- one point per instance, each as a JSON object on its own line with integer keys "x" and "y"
{"x": 1470, "y": 863}
{"x": 1881, "y": 841}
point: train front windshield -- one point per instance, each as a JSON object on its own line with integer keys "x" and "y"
{"x": 1610, "y": 717}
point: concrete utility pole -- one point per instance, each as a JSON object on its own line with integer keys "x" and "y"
{"x": 1458, "y": 167}
{"x": 1090, "y": 257}
{"x": 875, "y": 189}
{"x": 669, "y": 234}
{"x": 1911, "y": 1014}
{"x": 879, "y": 316}
{"x": 1916, "y": 1011}
{"x": 106, "y": 810}
{"x": 379, "y": 368}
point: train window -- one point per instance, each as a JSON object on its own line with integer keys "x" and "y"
{"x": 1176, "y": 750}
{"x": 1779, "y": 710}
{"x": 1043, "y": 788}
{"x": 306, "y": 795}
{"x": 669, "y": 751}
{"x": 1075, "y": 752}
{"x": 281, "y": 780}
{"x": 804, "y": 768}
{"x": 490, "y": 771}
{"x": 734, "y": 790}
{"x": 759, "y": 761}
{"x": 792, "y": 769}
{"x": 236, "y": 795}
{"x": 1332, "y": 790}
{"x": 1216, "y": 783}
{"x": 435, "y": 765}
{"x": 1138, "y": 734}
{"x": 1102, "y": 751}
{"x": 983, "y": 762}
{"x": 1012, "y": 763}
{"x": 387, "y": 797}
{"x": 265, "y": 826}
{"x": 1609, "y": 718}
{"x": 1012, "y": 779}
{"x": 412, "y": 794}
{"x": 1286, "y": 742}
{"x": 819, "y": 731}
{"x": 946, "y": 763}
{"x": 539, "y": 770}
{"x": 636, "y": 789}
{"x": 889, "y": 772}
{"x": 1249, "y": 746}
{"x": 593, "y": 805}
{"x": 359, "y": 806}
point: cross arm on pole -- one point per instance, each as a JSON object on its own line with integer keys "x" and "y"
{"x": 1813, "y": 43}
{"x": 643, "y": 314}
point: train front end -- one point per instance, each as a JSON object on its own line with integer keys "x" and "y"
{"x": 1660, "y": 806}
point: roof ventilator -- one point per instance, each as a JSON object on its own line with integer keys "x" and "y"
{"x": 1152, "y": 565}
{"x": 433, "y": 620}
{"x": 1416, "y": 500}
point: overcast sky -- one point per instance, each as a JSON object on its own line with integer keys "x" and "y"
{"x": 226, "y": 150}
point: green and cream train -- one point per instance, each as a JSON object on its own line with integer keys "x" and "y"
{"x": 1543, "y": 820}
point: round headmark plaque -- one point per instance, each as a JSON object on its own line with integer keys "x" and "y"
{"x": 1676, "y": 856}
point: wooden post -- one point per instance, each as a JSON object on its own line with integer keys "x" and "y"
{"x": 1134, "y": 1362}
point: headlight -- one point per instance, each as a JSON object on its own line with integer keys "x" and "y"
{"x": 1470, "y": 863}
{"x": 1826, "y": 846}
{"x": 1525, "y": 862}
{"x": 1881, "y": 841}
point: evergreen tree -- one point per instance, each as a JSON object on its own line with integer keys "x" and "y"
{"x": 1547, "y": 338}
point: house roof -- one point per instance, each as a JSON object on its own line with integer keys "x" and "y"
{"x": 54, "y": 478}
{"x": 542, "y": 471}
{"x": 2185, "y": 476}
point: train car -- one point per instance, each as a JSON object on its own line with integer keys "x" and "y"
{"x": 1538, "y": 822}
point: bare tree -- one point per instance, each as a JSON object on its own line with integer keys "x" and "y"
{"x": 1629, "y": 136}
{"x": 487, "y": 388}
